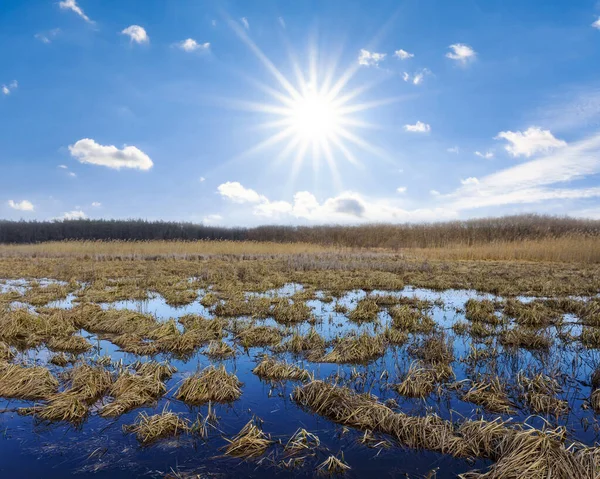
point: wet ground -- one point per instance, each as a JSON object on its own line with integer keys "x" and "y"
{"x": 99, "y": 448}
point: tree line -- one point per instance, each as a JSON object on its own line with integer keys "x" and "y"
{"x": 423, "y": 235}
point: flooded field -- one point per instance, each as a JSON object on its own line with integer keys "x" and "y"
{"x": 295, "y": 380}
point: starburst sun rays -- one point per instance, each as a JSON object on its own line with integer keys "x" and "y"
{"x": 316, "y": 118}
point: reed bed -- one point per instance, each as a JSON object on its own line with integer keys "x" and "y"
{"x": 251, "y": 442}
{"x": 271, "y": 369}
{"x": 211, "y": 384}
{"x": 149, "y": 429}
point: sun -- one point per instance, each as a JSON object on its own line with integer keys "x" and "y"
{"x": 314, "y": 118}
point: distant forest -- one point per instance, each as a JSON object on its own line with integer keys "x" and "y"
{"x": 424, "y": 235}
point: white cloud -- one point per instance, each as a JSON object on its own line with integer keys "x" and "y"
{"x": 72, "y": 5}
{"x": 237, "y": 193}
{"x": 454, "y": 150}
{"x": 46, "y": 37}
{"x": 596, "y": 24}
{"x": 64, "y": 167}
{"x": 202, "y": 179}
{"x": 403, "y": 54}
{"x": 191, "y": 45}
{"x": 488, "y": 155}
{"x": 418, "y": 127}
{"x": 136, "y": 34}
{"x": 348, "y": 207}
{"x": 71, "y": 174}
{"x": 401, "y": 189}
{"x": 417, "y": 78}
{"x": 470, "y": 181}
{"x": 534, "y": 180}
{"x": 212, "y": 219}
{"x": 245, "y": 22}
{"x": 23, "y": 205}
{"x": 281, "y": 22}
{"x": 531, "y": 141}
{"x": 461, "y": 53}
{"x": 96, "y": 204}
{"x": 370, "y": 59}
{"x": 72, "y": 215}
{"x": 7, "y": 89}
{"x": 88, "y": 151}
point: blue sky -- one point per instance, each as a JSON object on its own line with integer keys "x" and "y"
{"x": 245, "y": 113}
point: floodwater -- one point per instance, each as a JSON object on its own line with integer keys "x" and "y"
{"x": 100, "y": 449}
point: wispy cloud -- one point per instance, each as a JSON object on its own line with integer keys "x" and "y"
{"x": 136, "y": 34}
{"x": 416, "y": 78}
{"x": 72, "y": 5}
{"x": 90, "y": 152}
{"x": 370, "y": 59}
{"x": 245, "y": 22}
{"x": 454, "y": 149}
{"x": 418, "y": 127}
{"x": 8, "y": 89}
{"x": 46, "y": 37}
{"x": 488, "y": 155}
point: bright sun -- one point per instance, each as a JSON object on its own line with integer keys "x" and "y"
{"x": 314, "y": 117}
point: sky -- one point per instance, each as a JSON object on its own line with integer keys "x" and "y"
{"x": 241, "y": 113}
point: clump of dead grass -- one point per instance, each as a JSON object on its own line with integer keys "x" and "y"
{"x": 149, "y": 429}
{"x": 411, "y": 320}
{"x": 366, "y": 310}
{"x": 333, "y": 466}
{"x": 490, "y": 394}
{"x": 211, "y": 384}
{"x": 539, "y": 393}
{"x": 251, "y": 442}
{"x": 273, "y": 370}
{"x": 259, "y": 336}
{"x": 420, "y": 380}
{"x": 26, "y": 382}
{"x": 219, "y": 350}
{"x": 356, "y": 349}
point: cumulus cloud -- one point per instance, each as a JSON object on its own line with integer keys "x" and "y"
{"x": 46, "y": 37}
{"x": 23, "y": 205}
{"x": 234, "y": 191}
{"x": 245, "y": 22}
{"x": 191, "y": 45}
{"x": 403, "y": 54}
{"x": 72, "y": 215}
{"x": 7, "y": 89}
{"x": 348, "y": 207}
{"x": 370, "y": 59}
{"x": 418, "y": 127}
{"x": 596, "y": 24}
{"x": 72, "y": 5}
{"x": 461, "y": 53}
{"x": 136, "y": 34}
{"x": 96, "y": 204}
{"x": 488, "y": 155}
{"x": 470, "y": 181}
{"x": 531, "y": 141}
{"x": 88, "y": 151}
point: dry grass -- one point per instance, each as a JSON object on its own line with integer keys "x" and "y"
{"x": 490, "y": 394}
{"x": 271, "y": 369}
{"x": 366, "y": 310}
{"x": 527, "y": 338}
{"x": 259, "y": 336}
{"x": 411, "y": 320}
{"x": 286, "y": 312}
{"x": 333, "y": 466}
{"x": 356, "y": 349}
{"x": 249, "y": 443}
{"x": 539, "y": 393}
{"x": 481, "y": 311}
{"x": 420, "y": 380}
{"x": 132, "y": 390}
{"x": 301, "y": 442}
{"x": 211, "y": 384}
{"x": 26, "y": 383}
{"x": 219, "y": 350}
{"x": 149, "y": 429}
